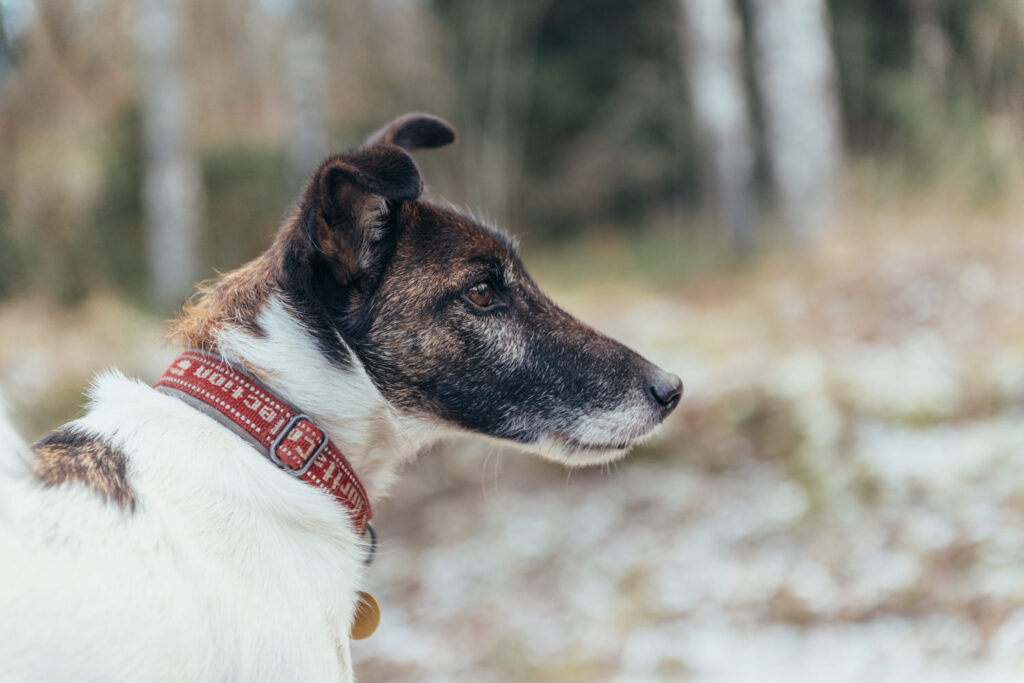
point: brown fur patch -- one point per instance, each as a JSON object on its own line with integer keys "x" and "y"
{"x": 72, "y": 456}
{"x": 235, "y": 298}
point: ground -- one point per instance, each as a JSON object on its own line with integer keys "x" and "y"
{"x": 839, "y": 497}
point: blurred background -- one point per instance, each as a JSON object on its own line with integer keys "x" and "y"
{"x": 812, "y": 211}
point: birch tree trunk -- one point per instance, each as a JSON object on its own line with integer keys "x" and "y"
{"x": 307, "y": 90}
{"x": 172, "y": 192}
{"x": 711, "y": 38}
{"x": 796, "y": 78}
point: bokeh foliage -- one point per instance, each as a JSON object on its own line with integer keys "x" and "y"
{"x": 573, "y": 115}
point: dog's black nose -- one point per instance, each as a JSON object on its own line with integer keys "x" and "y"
{"x": 667, "y": 389}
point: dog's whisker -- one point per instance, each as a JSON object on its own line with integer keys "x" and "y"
{"x": 483, "y": 471}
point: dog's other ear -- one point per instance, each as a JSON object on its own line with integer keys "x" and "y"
{"x": 414, "y": 131}
{"x": 347, "y": 204}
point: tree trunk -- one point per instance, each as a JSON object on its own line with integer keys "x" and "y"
{"x": 796, "y": 78}
{"x": 711, "y": 38}
{"x": 172, "y": 193}
{"x": 307, "y": 90}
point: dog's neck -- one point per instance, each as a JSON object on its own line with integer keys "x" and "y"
{"x": 243, "y": 317}
{"x": 343, "y": 401}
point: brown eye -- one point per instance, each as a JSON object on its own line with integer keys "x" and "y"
{"x": 480, "y": 294}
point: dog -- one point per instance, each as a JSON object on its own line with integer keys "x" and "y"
{"x": 213, "y": 527}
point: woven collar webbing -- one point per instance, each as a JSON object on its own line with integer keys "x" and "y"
{"x": 289, "y": 439}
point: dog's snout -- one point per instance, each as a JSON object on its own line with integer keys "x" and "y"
{"x": 667, "y": 389}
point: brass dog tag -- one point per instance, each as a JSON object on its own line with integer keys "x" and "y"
{"x": 367, "y": 617}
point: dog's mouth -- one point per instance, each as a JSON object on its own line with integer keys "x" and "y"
{"x": 581, "y": 446}
{"x": 574, "y": 452}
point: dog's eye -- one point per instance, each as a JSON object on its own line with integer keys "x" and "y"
{"x": 480, "y": 294}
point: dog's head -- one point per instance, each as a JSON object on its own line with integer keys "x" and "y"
{"x": 444, "y": 318}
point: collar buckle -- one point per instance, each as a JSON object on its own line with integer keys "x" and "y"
{"x": 292, "y": 432}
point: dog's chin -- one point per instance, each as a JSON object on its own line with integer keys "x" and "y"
{"x": 571, "y": 452}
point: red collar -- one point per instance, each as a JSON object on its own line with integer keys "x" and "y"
{"x": 290, "y": 439}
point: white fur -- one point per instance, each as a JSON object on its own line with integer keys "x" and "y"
{"x": 228, "y": 569}
{"x": 13, "y": 451}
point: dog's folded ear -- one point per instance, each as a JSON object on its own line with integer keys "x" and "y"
{"x": 413, "y": 131}
{"x": 347, "y": 204}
